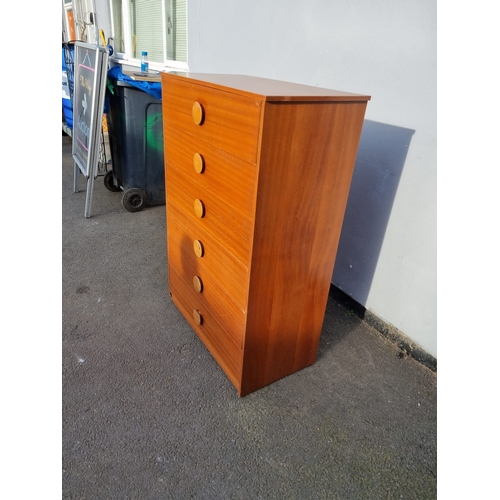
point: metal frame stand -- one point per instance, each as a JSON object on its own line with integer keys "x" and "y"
{"x": 102, "y": 164}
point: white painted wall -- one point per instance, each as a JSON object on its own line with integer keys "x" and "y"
{"x": 387, "y": 49}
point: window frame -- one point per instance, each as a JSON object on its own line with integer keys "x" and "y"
{"x": 126, "y": 58}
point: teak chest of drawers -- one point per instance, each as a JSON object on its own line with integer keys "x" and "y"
{"x": 257, "y": 176}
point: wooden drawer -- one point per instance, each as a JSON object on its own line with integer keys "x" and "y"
{"x": 206, "y": 295}
{"x": 226, "y": 176}
{"x": 226, "y": 353}
{"x": 228, "y": 121}
{"x": 229, "y": 227}
{"x": 229, "y": 273}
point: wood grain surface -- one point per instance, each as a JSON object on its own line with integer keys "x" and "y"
{"x": 230, "y": 121}
{"x": 257, "y": 180}
{"x": 307, "y": 160}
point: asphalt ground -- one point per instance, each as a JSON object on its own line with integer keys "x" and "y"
{"x": 148, "y": 414}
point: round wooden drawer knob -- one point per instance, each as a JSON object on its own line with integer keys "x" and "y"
{"x": 198, "y": 113}
{"x": 199, "y": 163}
{"x": 199, "y": 208}
{"x": 197, "y": 284}
{"x": 198, "y": 248}
{"x": 198, "y": 318}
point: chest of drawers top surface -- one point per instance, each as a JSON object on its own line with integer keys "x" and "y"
{"x": 267, "y": 89}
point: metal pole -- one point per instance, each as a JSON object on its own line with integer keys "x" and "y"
{"x": 88, "y": 197}
{"x": 75, "y": 180}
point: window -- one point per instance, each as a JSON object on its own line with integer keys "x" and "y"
{"x": 156, "y": 26}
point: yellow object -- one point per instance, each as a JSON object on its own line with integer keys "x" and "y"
{"x": 103, "y": 38}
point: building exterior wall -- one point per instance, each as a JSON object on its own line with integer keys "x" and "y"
{"x": 387, "y": 253}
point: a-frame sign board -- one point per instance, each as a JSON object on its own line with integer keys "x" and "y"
{"x": 91, "y": 65}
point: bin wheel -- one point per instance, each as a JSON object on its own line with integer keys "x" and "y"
{"x": 108, "y": 182}
{"x": 134, "y": 200}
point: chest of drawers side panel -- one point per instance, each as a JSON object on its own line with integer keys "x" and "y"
{"x": 308, "y": 151}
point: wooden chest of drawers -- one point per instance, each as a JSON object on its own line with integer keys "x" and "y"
{"x": 257, "y": 175}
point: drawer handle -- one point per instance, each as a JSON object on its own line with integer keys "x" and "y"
{"x": 197, "y": 284}
{"x": 199, "y": 163}
{"x": 198, "y": 248}
{"x": 198, "y": 113}
{"x": 198, "y": 318}
{"x": 199, "y": 208}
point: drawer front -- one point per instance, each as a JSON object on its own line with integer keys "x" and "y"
{"x": 222, "y": 348}
{"x": 229, "y": 273}
{"x": 228, "y": 121}
{"x": 206, "y": 295}
{"x": 226, "y": 176}
{"x": 230, "y": 228}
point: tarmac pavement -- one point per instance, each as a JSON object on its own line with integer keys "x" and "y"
{"x": 148, "y": 414}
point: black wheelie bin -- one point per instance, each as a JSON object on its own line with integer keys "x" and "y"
{"x": 135, "y": 130}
